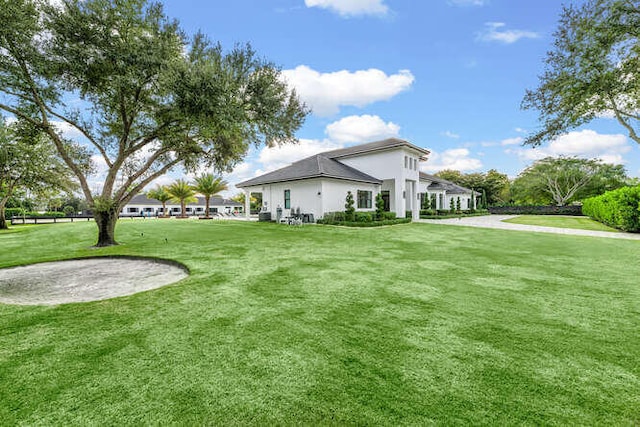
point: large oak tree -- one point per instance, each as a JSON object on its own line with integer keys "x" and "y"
{"x": 562, "y": 180}
{"x": 144, "y": 97}
{"x": 592, "y": 71}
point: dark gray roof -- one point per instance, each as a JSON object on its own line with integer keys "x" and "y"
{"x": 318, "y": 166}
{"x": 142, "y": 199}
{"x": 384, "y": 144}
{"x": 439, "y": 184}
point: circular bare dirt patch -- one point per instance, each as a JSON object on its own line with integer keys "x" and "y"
{"x": 82, "y": 280}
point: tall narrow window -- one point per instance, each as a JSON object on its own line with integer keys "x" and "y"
{"x": 406, "y": 162}
{"x": 364, "y": 199}
{"x": 287, "y": 199}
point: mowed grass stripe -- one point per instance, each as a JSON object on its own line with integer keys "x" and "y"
{"x": 401, "y": 325}
{"x": 562, "y": 221}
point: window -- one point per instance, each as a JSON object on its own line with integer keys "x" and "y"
{"x": 132, "y": 210}
{"x": 415, "y": 164}
{"x": 287, "y": 199}
{"x": 364, "y": 199}
{"x": 406, "y": 160}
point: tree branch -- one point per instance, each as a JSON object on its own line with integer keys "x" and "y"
{"x": 135, "y": 190}
{"x": 84, "y": 132}
{"x": 39, "y": 102}
{"x": 141, "y": 171}
{"x": 632, "y": 132}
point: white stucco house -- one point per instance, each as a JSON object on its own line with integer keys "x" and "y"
{"x": 143, "y": 206}
{"x": 319, "y": 184}
{"x": 445, "y": 192}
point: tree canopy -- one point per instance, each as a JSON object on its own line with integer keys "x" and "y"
{"x": 494, "y": 183}
{"x": 143, "y": 97}
{"x": 592, "y": 70}
{"x": 562, "y": 180}
{"x": 28, "y": 162}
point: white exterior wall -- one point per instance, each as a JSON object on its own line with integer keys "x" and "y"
{"x": 304, "y": 194}
{"x": 334, "y": 194}
{"x": 315, "y": 196}
{"x": 390, "y": 165}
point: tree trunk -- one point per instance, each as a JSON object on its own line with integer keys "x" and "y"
{"x": 206, "y": 204}
{"x": 3, "y": 222}
{"x": 183, "y": 208}
{"x": 106, "y": 221}
{"x": 164, "y": 209}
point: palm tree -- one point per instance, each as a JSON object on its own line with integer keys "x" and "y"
{"x": 181, "y": 191}
{"x": 209, "y": 185}
{"x": 160, "y": 194}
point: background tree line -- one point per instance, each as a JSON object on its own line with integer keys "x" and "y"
{"x": 553, "y": 180}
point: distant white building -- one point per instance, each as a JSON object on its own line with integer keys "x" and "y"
{"x": 319, "y": 184}
{"x": 143, "y": 206}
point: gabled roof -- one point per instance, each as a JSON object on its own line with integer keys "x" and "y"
{"x": 318, "y": 166}
{"x": 439, "y": 184}
{"x": 142, "y": 199}
{"x": 384, "y": 144}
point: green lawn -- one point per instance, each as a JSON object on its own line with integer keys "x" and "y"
{"x": 561, "y": 221}
{"x": 411, "y": 324}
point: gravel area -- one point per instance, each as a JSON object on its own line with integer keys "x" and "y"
{"x": 83, "y": 280}
{"x": 497, "y": 221}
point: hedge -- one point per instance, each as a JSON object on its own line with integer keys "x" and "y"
{"x": 618, "y": 208}
{"x": 479, "y": 212}
{"x": 339, "y": 216}
{"x": 9, "y": 212}
{"x": 574, "y": 210}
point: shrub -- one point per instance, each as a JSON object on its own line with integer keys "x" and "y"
{"x": 428, "y": 212}
{"x": 9, "y": 212}
{"x": 452, "y": 206}
{"x": 334, "y": 216}
{"x": 408, "y": 214}
{"x": 363, "y": 217}
{"x": 618, "y": 208}
{"x": 349, "y": 210}
{"x": 387, "y": 216}
{"x": 69, "y": 210}
{"x": 379, "y": 206}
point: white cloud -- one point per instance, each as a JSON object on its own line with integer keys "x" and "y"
{"x": 521, "y": 130}
{"x": 512, "y": 141}
{"x": 347, "y": 8}
{"x": 450, "y": 134}
{"x": 493, "y": 33}
{"x": 325, "y": 93}
{"x": 456, "y": 159}
{"x": 468, "y": 2}
{"x": 363, "y": 128}
{"x": 610, "y": 148}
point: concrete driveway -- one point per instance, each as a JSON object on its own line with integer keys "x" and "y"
{"x": 496, "y": 221}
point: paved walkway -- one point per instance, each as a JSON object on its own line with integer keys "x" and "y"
{"x": 496, "y": 221}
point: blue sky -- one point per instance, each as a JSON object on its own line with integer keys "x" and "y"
{"x": 447, "y": 75}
